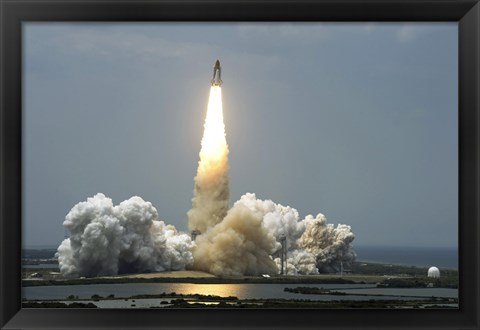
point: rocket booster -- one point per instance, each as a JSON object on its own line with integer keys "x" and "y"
{"x": 217, "y": 72}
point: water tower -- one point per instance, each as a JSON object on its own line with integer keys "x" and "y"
{"x": 433, "y": 272}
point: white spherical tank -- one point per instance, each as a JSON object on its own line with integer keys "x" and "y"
{"x": 433, "y": 272}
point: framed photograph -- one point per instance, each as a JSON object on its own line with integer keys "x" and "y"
{"x": 240, "y": 164}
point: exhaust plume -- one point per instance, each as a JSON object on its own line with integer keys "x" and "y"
{"x": 238, "y": 245}
{"x": 127, "y": 238}
{"x": 211, "y": 194}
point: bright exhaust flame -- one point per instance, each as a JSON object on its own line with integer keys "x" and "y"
{"x": 211, "y": 194}
{"x": 214, "y": 144}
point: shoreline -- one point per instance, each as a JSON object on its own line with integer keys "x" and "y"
{"x": 361, "y": 273}
{"x": 174, "y": 300}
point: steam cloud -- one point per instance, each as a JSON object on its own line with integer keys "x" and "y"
{"x": 330, "y": 245}
{"x": 127, "y": 238}
{"x": 247, "y": 241}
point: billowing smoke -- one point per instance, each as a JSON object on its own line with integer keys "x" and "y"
{"x": 238, "y": 245}
{"x": 127, "y": 238}
{"x": 277, "y": 219}
{"x": 331, "y": 245}
{"x": 311, "y": 243}
{"x": 299, "y": 262}
{"x": 211, "y": 194}
{"x": 247, "y": 241}
{"x": 283, "y": 221}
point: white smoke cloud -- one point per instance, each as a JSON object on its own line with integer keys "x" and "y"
{"x": 299, "y": 262}
{"x": 280, "y": 220}
{"x": 330, "y": 245}
{"x": 127, "y": 238}
{"x": 277, "y": 219}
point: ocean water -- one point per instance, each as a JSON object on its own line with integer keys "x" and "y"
{"x": 412, "y": 256}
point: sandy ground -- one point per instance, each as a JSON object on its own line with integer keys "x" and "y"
{"x": 176, "y": 274}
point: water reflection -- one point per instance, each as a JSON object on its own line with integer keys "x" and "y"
{"x": 223, "y": 290}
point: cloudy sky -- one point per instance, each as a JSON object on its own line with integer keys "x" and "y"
{"x": 355, "y": 121}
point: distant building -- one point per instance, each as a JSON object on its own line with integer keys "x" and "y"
{"x": 433, "y": 272}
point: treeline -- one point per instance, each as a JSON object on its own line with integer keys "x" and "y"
{"x": 38, "y": 254}
{"x": 56, "y": 304}
{"x": 420, "y": 282}
{"x": 364, "y": 268}
{"x": 310, "y": 290}
{"x": 305, "y": 303}
{"x": 196, "y": 280}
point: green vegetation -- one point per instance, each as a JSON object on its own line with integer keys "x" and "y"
{"x": 419, "y": 282}
{"x": 407, "y": 276}
{"x": 212, "y": 301}
{"x": 56, "y": 304}
{"x": 383, "y": 274}
{"x": 321, "y": 279}
{"x": 191, "y": 296}
{"x": 309, "y": 290}
{"x": 96, "y": 297}
{"x": 38, "y": 254}
{"x": 301, "y": 303}
{"x": 397, "y": 270}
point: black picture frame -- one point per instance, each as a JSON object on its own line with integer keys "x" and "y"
{"x": 15, "y": 12}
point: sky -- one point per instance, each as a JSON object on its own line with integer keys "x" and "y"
{"x": 357, "y": 121}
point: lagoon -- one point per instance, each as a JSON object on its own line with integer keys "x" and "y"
{"x": 241, "y": 291}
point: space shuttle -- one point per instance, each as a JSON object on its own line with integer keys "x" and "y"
{"x": 217, "y": 72}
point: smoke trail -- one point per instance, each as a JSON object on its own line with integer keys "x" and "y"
{"x": 211, "y": 193}
{"x": 127, "y": 238}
